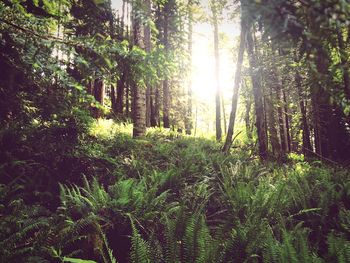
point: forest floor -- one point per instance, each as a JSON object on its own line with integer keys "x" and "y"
{"x": 171, "y": 198}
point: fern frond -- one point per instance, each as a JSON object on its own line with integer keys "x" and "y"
{"x": 140, "y": 249}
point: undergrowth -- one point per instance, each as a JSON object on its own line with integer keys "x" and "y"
{"x": 168, "y": 198}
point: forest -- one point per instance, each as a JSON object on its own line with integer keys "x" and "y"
{"x": 174, "y": 131}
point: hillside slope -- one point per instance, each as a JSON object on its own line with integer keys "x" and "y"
{"x": 169, "y": 198}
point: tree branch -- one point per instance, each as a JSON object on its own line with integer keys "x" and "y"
{"x": 46, "y": 37}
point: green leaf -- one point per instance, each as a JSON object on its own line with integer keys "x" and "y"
{"x": 108, "y": 63}
{"x": 77, "y": 260}
{"x": 99, "y": 2}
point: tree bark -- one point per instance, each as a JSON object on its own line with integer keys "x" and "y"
{"x": 217, "y": 73}
{"x": 276, "y": 147}
{"x": 155, "y": 106}
{"x": 166, "y": 104}
{"x": 330, "y": 129}
{"x": 166, "y": 91}
{"x": 127, "y": 100}
{"x": 156, "y": 92}
{"x": 223, "y": 113}
{"x": 286, "y": 116}
{"x": 148, "y": 47}
{"x": 237, "y": 81}
{"x": 258, "y": 98}
{"x": 188, "y": 118}
{"x": 307, "y": 149}
{"x": 113, "y": 99}
{"x": 248, "y": 106}
{"x": 99, "y": 94}
{"x": 281, "y": 119}
{"x": 321, "y": 107}
{"x": 120, "y": 94}
{"x": 139, "y": 109}
{"x": 123, "y": 19}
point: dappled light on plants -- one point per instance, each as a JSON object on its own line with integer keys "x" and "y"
{"x": 174, "y": 131}
{"x": 107, "y": 129}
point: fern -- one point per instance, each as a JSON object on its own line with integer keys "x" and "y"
{"x": 338, "y": 248}
{"x": 172, "y": 239}
{"x": 105, "y": 251}
{"x": 140, "y": 249}
{"x": 294, "y": 247}
{"x": 91, "y": 197}
{"x": 191, "y": 237}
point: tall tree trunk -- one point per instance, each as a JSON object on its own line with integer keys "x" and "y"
{"x": 148, "y": 47}
{"x": 120, "y": 93}
{"x": 188, "y": 118}
{"x": 281, "y": 119}
{"x": 166, "y": 90}
{"x": 112, "y": 34}
{"x": 117, "y": 93}
{"x": 217, "y": 73}
{"x": 153, "y": 121}
{"x": 155, "y": 107}
{"x": 271, "y": 86}
{"x": 258, "y": 98}
{"x": 248, "y": 107}
{"x": 123, "y": 19}
{"x": 223, "y": 112}
{"x": 127, "y": 100}
{"x": 307, "y": 149}
{"x": 286, "y": 117}
{"x": 237, "y": 81}
{"x": 321, "y": 107}
{"x": 330, "y": 128}
{"x": 276, "y": 147}
{"x": 155, "y": 94}
{"x": 265, "y": 117}
{"x": 99, "y": 94}
{"x": 113, "y": 99}
{"x": 90, "y": 88}
{"x": 166, "y": 104}
{"x": 111, "y": 21}
{"x": 148, "y": 105}
{"x": 139, "y": 109}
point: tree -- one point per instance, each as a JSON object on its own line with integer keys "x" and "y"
{"x": 306, "y": 148}
{"x": 147, "y": 33}
{"x": 258, "y": 97}
{"x": 166, "y": 91}
{"x": 215, "y": 8}
{"x": 188, "y": 117}
{"x": 237, "y": 82}
{"x": 139, "y": 95}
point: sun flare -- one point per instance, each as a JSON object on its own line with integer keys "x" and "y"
{"x": 203, "y": 67}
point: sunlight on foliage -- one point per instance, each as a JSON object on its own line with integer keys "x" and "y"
{"x": 107, "y": 129}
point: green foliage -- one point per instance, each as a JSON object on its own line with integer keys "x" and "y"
{"x": 140, "y": 249}
{"x": 179, "y": 199}
{"x": 77, "y": 260}
{"x": 339, "y": 248}
{"x": 74, "y": 189}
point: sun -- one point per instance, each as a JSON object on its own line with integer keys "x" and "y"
{"x": 203, "y": 77}
{"x": 203, "y": 61}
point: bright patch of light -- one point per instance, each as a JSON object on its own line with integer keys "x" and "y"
{"x": 203, "y": 72}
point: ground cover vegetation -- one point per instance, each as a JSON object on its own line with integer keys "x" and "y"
{"x": 99, "y": 158}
